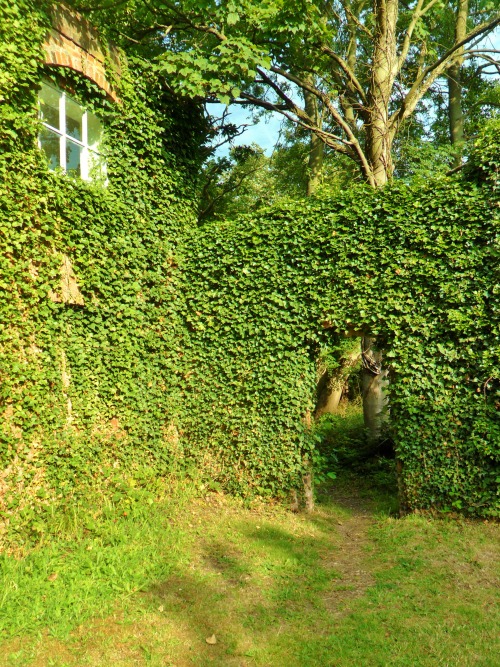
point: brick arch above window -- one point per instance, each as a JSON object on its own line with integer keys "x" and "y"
{"x": 73, "y": 42}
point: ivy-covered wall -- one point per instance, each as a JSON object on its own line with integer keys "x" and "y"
{"x": 417, "y": 267}
{"x": 88, "y": 384}
{"x": 197, "y": 346}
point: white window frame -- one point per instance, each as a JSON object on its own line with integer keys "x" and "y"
{"x": 64, "y": 137}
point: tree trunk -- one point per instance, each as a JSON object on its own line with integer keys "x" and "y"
{"x": 380, "y": 136}
{"x": 375, "y": 381}
{"x": 316, "y": 145}
{"x": 330, "y": 385}
{"x": 329, "y": 395}
{"x": 308, "y": 491}
{"x": 455, "y": 113}
{"x": 379, "y": 140}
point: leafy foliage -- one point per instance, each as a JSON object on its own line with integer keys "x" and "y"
{"x": 417, "y": 267}
{"x": 88, "y": 391}
{"x": 247, "y": 179}
{"x": 236, "y": 182}
{"x": 198, "y": 347}
{"x": 369, "y": 68}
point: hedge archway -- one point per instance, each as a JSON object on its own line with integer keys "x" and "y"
{"x": 416, "y": 267}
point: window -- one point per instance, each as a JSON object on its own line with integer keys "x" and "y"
{"x": 70, "y": 135}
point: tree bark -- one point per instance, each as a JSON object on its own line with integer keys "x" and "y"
{"x": 379, "y": 134}
{"x": 374, "y": 385}
{"x": 330, "y": 385}
{"x": 329, "y": 395}
{"x": 379, "y": 140}
{"x": 455, "y": 112}
{"x": 316, "y": 145}
{"x": 308, "y": 491}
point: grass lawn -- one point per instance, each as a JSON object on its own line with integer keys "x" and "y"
{"x": 348, "y": 585}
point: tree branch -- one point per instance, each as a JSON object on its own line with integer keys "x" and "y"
{"x": 417, "y": 15}
{"x": 341, "y": 122}
{"x": 477, "y": 32}
{"x": 356, "y": 20}
{"x": 207, "y": 210}
{"x": 290, "y": 104}
{"x": 337, "y": 143}
{"x": 346, "y": 69}
{"x": 432, "y": 72}
{"x": 490, "y": 62}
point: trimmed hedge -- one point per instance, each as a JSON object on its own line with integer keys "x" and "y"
{"x": 418, "y": 268}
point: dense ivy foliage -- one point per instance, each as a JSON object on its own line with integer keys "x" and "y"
{"x": 198, "y": 346}
{"x": 88, "y": 391}
{"x": 418, "y": 268}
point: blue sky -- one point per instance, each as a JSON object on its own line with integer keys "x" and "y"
{"x": 264, "y": 133}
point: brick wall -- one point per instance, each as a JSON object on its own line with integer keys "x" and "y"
{"x": 73, "y": 42}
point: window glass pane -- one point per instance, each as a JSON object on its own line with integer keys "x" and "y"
{"x": 94, "y": 131}
{"x": 49, "y": 142}
{"x": 73, "y": 158}
{"x": 81, "y": 159}
{"x": 49, "y": 105}
{"x": 74, "y": 115}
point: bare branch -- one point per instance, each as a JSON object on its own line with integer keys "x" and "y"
{"x": 240, "y": 130}
{"x": 287, "y": 100}
{"x": 346, "y": 69}
{"x": 426, "y": 78}
{"x": 339, "y": 120}
{"x": 356, "y": 20}
{"x": 490, "y": 62}
{"x": 337, "y": 143}
{"x": 482, "y": 29}
{"x": 317, "y": 93}
{"x": 247, "y": 99}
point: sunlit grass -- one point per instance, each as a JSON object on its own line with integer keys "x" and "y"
{"x": 74, "y": 573}
{"x": 337, "y": 587}
{"x": 349, "y": 585}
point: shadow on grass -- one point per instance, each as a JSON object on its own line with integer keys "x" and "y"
{"x": 264, "y": 594}
{"x": 335, "y": 588}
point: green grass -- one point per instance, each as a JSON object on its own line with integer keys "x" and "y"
{"x": 346, "y": 451}
{"x": 350, "y": 585}
{"x": 75, "y": 573}
{"x": 347, "y": 585}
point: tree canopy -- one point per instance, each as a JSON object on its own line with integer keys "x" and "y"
{"x": 351, "y": 72}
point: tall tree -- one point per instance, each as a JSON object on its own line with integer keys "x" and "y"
{"x": 316, "y": 145}
{"x": 455, "y": 112}
{"x": 366, "y": 65}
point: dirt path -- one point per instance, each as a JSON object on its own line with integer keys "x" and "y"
{"x": 349, "y": 558}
